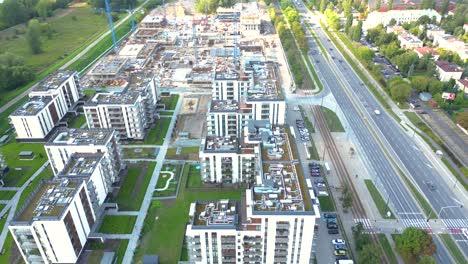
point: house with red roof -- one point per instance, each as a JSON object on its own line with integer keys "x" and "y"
{"x": 421, "y": 51}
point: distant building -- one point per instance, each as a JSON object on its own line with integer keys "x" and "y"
{"x": 250, "y": 24}
{"x": 48, "y": 103}
{"x": 421, "y": 51}
{"x": 54, "y": 223}
{"x": 462, "y": 85}
{"x": 401, "y": 16}
{"x": 397, "y": 29}
{"x": 447, "y": 71}
{"x": 66, "y": 142}
{"x": 449, "y": 42}
{"x": 409, "y": 41}
{"x": 432, "y": 31}
{"x": 131, "y": 112}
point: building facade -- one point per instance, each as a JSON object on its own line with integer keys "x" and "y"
{"x": 48, "y": 103}
{"x": 66, "y": 142}
{"x": 54, "y": 224}
{"x": 447, "y": 71}
{"x": 375, "y": 18}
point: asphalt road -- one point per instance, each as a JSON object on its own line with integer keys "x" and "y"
{"x": 347, "y": 87}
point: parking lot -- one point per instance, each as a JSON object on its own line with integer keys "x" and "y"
{"x": 303, "y": 131}
{"x": 388, "y": 69}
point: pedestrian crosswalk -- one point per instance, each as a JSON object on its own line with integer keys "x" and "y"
{"x": 455, "y": 223}
{"x": 366, "y": 223}
{"x": 418, "y": 222}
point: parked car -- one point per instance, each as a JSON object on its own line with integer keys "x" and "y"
{"x": 321, "y": 185}
{"x": 333, "y": 231}
{"x": 329, "y": 215}
{"x": 338, "y": 241}
{"x": 340, "y": 252}
{"x": 340, "y": 246}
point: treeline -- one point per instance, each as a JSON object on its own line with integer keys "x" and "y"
{"x": 116, "y": 5}
{"x": 13, "y": 12}
{"x": 289, "y": 46}
{"x": 210, "y": 6}
{"x": 13, "y": 72}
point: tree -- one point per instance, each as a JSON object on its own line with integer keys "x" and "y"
{"x": 13, "y": 12}
{"x": 44, "y": 8}
{"x": 378, "y": 4}
{"x": 405, "y": 60}
{"x": 332, "y": 19}
{"x": 347, "y": 198}
{"x": 426, "y": 4}
{"x": 435, "y": 87}
{"x": 390, "y": 4}
{"x": 13, "y": 72}
{"x": 392, "y": 22}
{"x": 366, "y": 53}
{"x": 360, "y": 238}
{"x": 347, "y": 6}
{"x": 349, "y": 23}
{"x": 400, "y": 92}
{"x": 414, "y": 243}
{"x": 33, "y": 36}
{"x": 462, "y": 119}
{"x": 370, "y": 254}
{"x": 426, "y": 260}
{"x": 420, "y": 83}
{"x": 323, "y": 5}
{"x": 444, "y": 8}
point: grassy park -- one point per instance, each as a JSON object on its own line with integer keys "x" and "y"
{"x": 170, "y": 101}
{"x": 117, "y": 224}
{"x": 378, "y": 200}
{"x": 158, "y": 132}
{"x": 333, "y": 122}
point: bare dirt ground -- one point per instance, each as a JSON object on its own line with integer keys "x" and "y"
{"x": 194, "y": 122}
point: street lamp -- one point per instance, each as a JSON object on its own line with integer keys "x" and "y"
{"x": 441, "y": 209}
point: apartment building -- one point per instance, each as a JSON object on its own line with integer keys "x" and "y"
{"x": 432, "y": 31}
{"x": 65, "y": 142}
{"x": 227, "y": 160}
{"x": 409, "y": 41}
{"x": 274, "y": 223}
{"x": 449, "y": 42}
{"x": 421, "y": 51}
{"x": 48, "y": 102}
{"x": 131, "y": 111}
{"x": 375, "y": 18}
{"x": 94, "y": 169}
{"x": 447, "y": 71}
{"x": 54, "y": 223}
{"x": 229, "y": 84}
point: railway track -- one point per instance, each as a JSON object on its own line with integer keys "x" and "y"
{"x": 357, "y": 208}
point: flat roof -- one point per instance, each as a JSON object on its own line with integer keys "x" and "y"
{"x": 49, "y": 199}
{"x": 131, "y": 50}
{"x": 215, "y": 213}
{"x": 53, "y": 80}
{"x": 221, "y": 144}
{"x": 80, "y": 136}
{"x": 32, "y": 106}
{"x": 81, "y": 164}
{"x": 128, "y": 97}
{"x": 224, "y": 106}
{"x": 266, "y": 82}
{"x": 110, "y": 65}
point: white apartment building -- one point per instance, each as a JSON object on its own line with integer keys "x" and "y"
{"x": 409, "y": 41}
{"x": 462, "y": 85}
{"x": 447, "y": 71}
{"x": 375, "y": 18}
{"x": 432, "y": 31}
{"x": 230, "y": 85}
{"x": 272, "y": 225}
{"x": 225, "y": 159}
{"x": 131, "y": 112}
{"x": 449, "y": 42}
{"x": 54, "y": 223}
{"x": 94, "y": 169}
{"x": 48, "y": 103}
{"x": 66, "y": 142}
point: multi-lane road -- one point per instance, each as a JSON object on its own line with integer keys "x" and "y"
{"x": 358, "y": 106}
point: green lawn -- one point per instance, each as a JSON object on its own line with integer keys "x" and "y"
{"x": 453, "y": 248}
{"x": 7, "y": 195}
{"x": 190, "y": 150}
{"x": 333, "y": 122}
{"x": 158, "y": 132}
{"x": 172, "y": 188}
{"x": 117, "y": 224}
{"x": 194, "y": 178}
{"x": 134, "y": 186}
{"x": 379, "y": 201}
{"x": 165, "y": 237}
{"x": 22, "y": 170}
{"x": 77, "y": 122}
{"x": 388, "y": 249}
{"x": 139, "y": 153}
{"x": 326, "y": 203}
{"x": 414, "y": 118}
{"x": 169, "y": 101}
{"x": 120, "y": 252}
{"x": 166, "y": 113}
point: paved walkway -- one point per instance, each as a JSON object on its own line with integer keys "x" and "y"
{"x": 115, "y": 212}
{"x": 10, "y": 188}
{"x": 167, "y": 182}
{"x": 132, "y": 244}
{"x": 14, "y": 203}
{"x": 111, "y": 236}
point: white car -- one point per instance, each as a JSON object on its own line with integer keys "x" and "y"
{"x": 377, "y": 112}
{"x": 465, "y": 232}
{"x": 338, "y": 242}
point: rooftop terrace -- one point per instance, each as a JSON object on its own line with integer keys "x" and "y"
{"x": 266, "y": 82}
{"x": 127, "y": 97}
{"x": 224, "y": 106}
{"x": 32, "y": 106}
{"x": 49, "y": 199}
{"x": 81, "y": 164}
{"x": 215, "y": 213}
{"x": 221, "y": 144}
{"x": 110, "y": 65}
{"x": 80, "y": 136}
{"x": 53, "y": 80}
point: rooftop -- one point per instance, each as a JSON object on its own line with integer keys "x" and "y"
{"x": 80, "y": 136}
{"x": 448, "y": 66}
{"x": 426, "y": 50}
{"x": 32, "y": 106}
{"x": 110, "y": 65}
{"x": 464, "y": 82}
{"x": 266, "y": 82}
{"x": 131, "y": 50}
{"x": 221, "y": 144}
{"x": 409, "y": 38}
{"x": 224, "y": 106}
{"x": 215, "y": 213}
{"x": 49, "y": 199}
{"x": 127, "y": 97}
{"x": 53, "y": 80}
{"x": 81, "y": 164}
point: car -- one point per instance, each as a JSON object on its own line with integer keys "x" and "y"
{"x": 333, "y": 231}
{"x": 465, "y": 232}
{"x": 377, "y": 112}
{"x": 340, "y": 246}
{"x": 329, "y": 215}
{"x": 321, "y": 185}
{"x": 322, "y": 193}
{"x": 338, "y": 241}
{"x": 319, "y": 181}
{"x": 340, "y": 252}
